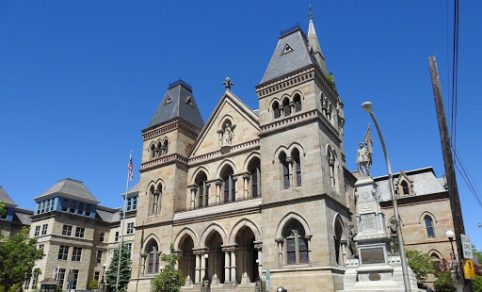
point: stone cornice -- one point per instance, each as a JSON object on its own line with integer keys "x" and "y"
{"x": 274, "y": 86}
{"x": 175, "y": 124}
{"x": 295, "y": 120}
{"x": 236, "y": 149}
{"x": 164, "y": 160}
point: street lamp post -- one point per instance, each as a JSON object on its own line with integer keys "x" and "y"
{"x": 367, "y": 106}
{"x": 454, "y": 263}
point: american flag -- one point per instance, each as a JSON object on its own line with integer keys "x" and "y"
{"x": 130, "y": 167}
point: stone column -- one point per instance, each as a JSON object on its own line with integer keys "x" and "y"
{"x": 203, "y": 267}
{"x": 197, "y": 280}
{"x": 233, "y": 265}
{"x": 218, "y": 184}
{"x": 143, "y": 266}
{"x": 279, "y": 242}
{"x": 289, "y": 160}
{"x": 258, "y": 247}
{"x": 246, "y": 186}
{"x": 226, "y": 266}
{"x": 193, "y": 197}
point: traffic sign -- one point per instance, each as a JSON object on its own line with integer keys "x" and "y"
{"x": 466, "y": 247}
{"x": 469, "y": 270}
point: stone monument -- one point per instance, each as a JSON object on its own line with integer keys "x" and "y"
{"x": 376, "y": 268}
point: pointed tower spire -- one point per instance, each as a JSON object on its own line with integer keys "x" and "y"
{"x": 315, "y": 49}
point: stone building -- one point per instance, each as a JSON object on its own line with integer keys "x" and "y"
{"x": 250, "y": 194}
{"x": 78, "y": 236}
{"x": 425, "y": 213}
{"x": 249, "y": 191}
{"x": 14, "y": 218}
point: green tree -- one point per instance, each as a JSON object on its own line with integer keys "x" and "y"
{"x": 444, "y": 282}
{"x": 3, "y": 211}
{"x": 420, "y": 263}
{"x": 92, "y": 284}
{"x": 169, "y": 279}
{"x": 17, "y": 259}
{"x": 124, "y": 273}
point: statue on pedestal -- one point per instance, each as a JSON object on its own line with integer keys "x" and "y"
{"x": 364, "y": 155}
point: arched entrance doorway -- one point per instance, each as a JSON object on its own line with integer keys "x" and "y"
{"x": 187, "y": 260}
{"x": 246, "y": 255}
{"x": 215, "y": 260}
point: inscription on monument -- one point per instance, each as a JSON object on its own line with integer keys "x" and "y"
{"x": 368, "y": 222}
{"x": 374, "y": 277}
{"x": 372, "y": 255}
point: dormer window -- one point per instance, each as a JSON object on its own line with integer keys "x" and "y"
{"x": 404, "y": 185}
{"x": 405, "y": 189}
{"x": 287, "y": 49}
{"x": 189, "y": 101}
{"x": 168, "y": 99}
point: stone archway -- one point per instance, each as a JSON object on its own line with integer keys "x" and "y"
{"x": 246, "y": 255}
{"x": 187, "y": 260}
{"x": 214, "y": 262}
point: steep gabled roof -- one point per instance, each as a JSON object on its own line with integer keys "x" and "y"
{"x": 292, "y": 53}
{"x": 424, "y": 181}
{"x": 178, "y": 102}
{"x": 69, "y": 188}
{"x": 5, "y": 198}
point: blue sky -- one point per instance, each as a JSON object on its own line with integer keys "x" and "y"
{"x": 79, "y": 80}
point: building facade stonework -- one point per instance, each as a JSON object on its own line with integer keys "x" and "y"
{"x": 249, "y": 198}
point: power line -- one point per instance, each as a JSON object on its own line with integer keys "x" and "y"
{"x": 465, "y": 176}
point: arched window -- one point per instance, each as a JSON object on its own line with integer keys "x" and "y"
{"x": 296, "y": 243}
{"x": 152, "y": 260}
{"x": 405, "y": 188}
{"x": 153, "y": 151}
{"x": 429, "y": 226}
{"x": 297, "y": 102}
{"x": 285, "y": 170}
{"x": 202, "y": 192}
{"x": 155, "y": 199}
{"x": 164, "y": 148}
{"x": 286, "y": 107}
{"x": 295, "y": 154}
{"x": 276, "y": 110}
{"x": 255, "y": 177}
{"x": 158, "y": 149}
{"x": 229, "y": 184}
{"x": 338, "y": 241}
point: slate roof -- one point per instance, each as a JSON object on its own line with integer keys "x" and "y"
{"x": 23, "y": 216}
{"x": 424, "y": 183}
{"x": 287, "y": 61}
{"x": 69, "y": 188}
{"x": 107, "y": 215}
{"x": 178, "y": 102}
{"x": 5, "y": 198}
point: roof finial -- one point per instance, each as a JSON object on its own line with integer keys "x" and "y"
{"x": 310, "y": 12}
{"x": 228, "y": 83}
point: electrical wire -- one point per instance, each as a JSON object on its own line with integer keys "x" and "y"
{"x": 466, "y": 177}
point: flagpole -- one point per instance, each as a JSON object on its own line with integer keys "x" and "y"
{"x": 122, "y": 227}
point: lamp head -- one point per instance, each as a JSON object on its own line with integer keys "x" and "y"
{"x": 450, "y": 234}
{"x": 367, "y": 106}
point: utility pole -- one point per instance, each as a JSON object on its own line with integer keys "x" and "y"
{"x": 449, "y": 168}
